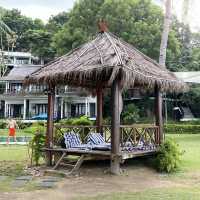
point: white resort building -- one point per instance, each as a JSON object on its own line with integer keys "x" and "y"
{"x": 26, "y": 103}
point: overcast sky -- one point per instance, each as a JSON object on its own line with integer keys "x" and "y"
{"x": 43, "y": 9}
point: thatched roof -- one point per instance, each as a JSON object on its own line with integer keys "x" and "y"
{"x": 20, "y": 72}
{"x": 100, "y": 61}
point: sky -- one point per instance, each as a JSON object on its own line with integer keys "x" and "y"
{"x": 193, "y": 14}
{"x": 43, "y": 9}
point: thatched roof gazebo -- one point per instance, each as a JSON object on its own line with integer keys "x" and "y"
{"x": 107, "y": 62}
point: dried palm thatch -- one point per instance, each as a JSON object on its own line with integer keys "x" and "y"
{"x": 100, "y": 61}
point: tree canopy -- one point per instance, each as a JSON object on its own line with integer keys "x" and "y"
{"x": 138, "y": 22}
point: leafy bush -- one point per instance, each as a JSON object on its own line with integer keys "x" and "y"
{"x": 83, "y": 120}
{"x": 3, "y": 124}
{"x": 182, "y": 128}
{"x": 34, "y": 128}
{"x": 130, "y": 114}
{"x": 169, "y": 157}
{"x": 23, "y": 125}
{"x": 66, "y": 121}
{"x": 36, "y": 145}
{"x": 107, "y": 121}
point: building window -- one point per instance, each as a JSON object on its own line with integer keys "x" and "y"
{"x": 15, "y": 87}
{"x": 22, "y": 61}
{"x": 40, "y": 109}
{"x": 77, "y": 109}
{"x": 92, "y": 110}
{"x": 38, "y": 88}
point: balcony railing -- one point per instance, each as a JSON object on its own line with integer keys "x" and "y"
{"x": 24, "y": 92}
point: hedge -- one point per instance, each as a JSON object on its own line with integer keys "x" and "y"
{"x": 182, "y": 129}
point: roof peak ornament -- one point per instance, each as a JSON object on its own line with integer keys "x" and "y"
{"x": 103, "y": 26}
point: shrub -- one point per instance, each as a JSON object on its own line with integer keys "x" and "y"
{"x": 3, "y": 124}
{"x": 130, "y": 114}
{"x": 107, "y": 121}
{"x": 182, "y": 128}
{"x": 66, "y": 121}
{"x": 34, "y": 128}
{"x": 36, "y": 145}
{"x": 23, "y": 125}
{"x": 83, "y": 120}
{"x": 169, "y": 157}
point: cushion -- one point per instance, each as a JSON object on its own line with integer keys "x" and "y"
{"x": 95, "y": 139}
{"x": 72, "y": 140}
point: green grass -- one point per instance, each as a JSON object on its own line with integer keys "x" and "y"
{"x": 155, "y": 194}
{"x": 13, "y": 153}
{"x": 19, "y": 132}
{"x": 14, "y": 158}
{"x": 190, "y": 144}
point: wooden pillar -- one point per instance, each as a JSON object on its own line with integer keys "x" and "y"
{"x": 158, "y": 113}
{"x": 99, "y": 120}
{"x": 115, "y": 127}
{"x": 50, "y": 116}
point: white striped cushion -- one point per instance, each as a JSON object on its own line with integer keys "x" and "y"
{"x": 72, "y": 140}
{"x": 95, "y": 139}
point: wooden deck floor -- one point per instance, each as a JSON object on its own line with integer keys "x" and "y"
{"x": 106, "y": 154}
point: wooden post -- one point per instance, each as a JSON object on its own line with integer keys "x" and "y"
{"x": 115, "y": 127}
{"x": 158, "y": 113}
{"x": 99, "y": 120}
{"x": 50, "y": 116}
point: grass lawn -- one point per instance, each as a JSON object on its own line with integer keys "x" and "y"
{"x": 165, "y": 194}
{"x": 14, "y": 158}
{"x": 190, "y": 144}
{"x": 19, "y": 132}
{"x": 13, "y": 153}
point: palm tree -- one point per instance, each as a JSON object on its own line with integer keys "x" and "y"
{"x": 185, "y": 11}
{"x": 165, "y": 33}
{"x": 5, "y": 34}
{"x": 164, "y": 40}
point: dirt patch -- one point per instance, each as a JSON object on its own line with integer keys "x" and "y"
{"x": 94, "y": 180}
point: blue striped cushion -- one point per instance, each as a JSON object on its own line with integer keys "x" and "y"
{"x": 95, "y": 139}
{"x": 72, "y": 140}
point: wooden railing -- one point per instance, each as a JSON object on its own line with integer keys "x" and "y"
{"x": 129, "y": 134}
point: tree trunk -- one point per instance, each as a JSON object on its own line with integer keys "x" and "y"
{"x": 163, "y": 48}
{"x": 185, "y": 12}
{"x": 166, "y": 29}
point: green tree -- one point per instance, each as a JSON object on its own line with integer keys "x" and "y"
{"x": 40, "y": 44}
{"x": 138, "y": 22}
{"x": 56, "y": 22}
{"x": 20, "y": 25}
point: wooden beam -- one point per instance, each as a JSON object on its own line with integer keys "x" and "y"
{"x": 158, "y": 113}
{"x": 115, "y": 127}
{"x": 99, "y": 121}
{"x": 50, "y": 116}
